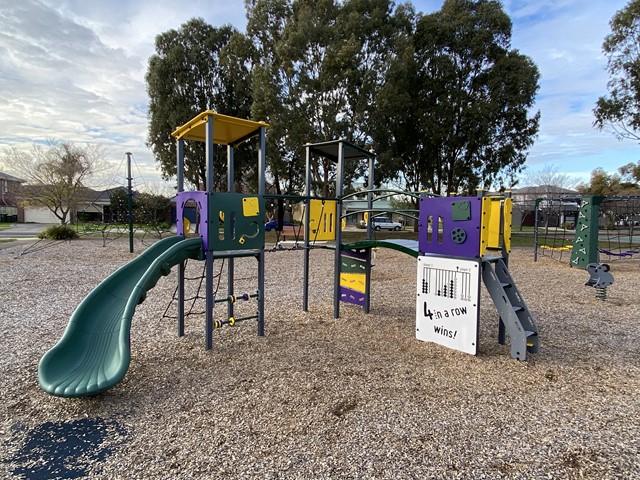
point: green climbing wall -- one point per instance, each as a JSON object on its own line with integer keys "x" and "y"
{"x": 585, "y": 243}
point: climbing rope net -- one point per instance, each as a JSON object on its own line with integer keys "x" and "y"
{"x": 618, "y": 227}
{"x": 555, "y": 225}
{"x": 619, "y": 232}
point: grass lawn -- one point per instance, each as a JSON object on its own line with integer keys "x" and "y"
{"x": 518, "y": 239}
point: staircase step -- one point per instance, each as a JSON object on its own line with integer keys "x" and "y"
{"x": 515, "y": 317}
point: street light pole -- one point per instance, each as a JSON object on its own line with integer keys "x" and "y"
{"x": 130, "y": 202}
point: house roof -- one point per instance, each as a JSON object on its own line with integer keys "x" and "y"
{"x": 362, "y": 204}
{"x": 543, "y": 189}
{"x": 87, "y": 195}
{"x": 97, "y": 197}
{"x": 10, "y": 178}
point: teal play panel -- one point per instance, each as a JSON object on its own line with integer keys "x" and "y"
{"x": 94, "y": 351}
{"x": 236, "y": 221}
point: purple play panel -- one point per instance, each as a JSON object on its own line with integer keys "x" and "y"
{"x": 461, "y": 219}
{"x": 349, "y": 295}
{"x": 200, "y": 198}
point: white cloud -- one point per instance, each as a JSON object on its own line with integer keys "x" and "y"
{"x": 74, "y": 70}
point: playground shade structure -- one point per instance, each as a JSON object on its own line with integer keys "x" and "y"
{"x": 94, "y": 352}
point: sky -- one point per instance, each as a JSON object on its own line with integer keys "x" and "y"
{"x": 73, "y": 70}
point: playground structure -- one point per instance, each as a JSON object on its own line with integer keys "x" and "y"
{"x": 94, "y": 354}
{"x": 588, "y": 229}
{"x": 461, "y": 240}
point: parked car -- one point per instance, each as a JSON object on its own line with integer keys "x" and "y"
{"x": 273, "y": 225}
{"x": 384, "y": 223}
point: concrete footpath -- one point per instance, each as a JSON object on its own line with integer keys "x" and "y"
{"x": 22, "y": 230}
{"x": 19, "y": 233}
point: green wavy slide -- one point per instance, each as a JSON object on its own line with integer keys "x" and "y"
{"x": 94, "y": 352}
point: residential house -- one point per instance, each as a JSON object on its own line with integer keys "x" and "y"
{"x": 9, "y": 192}
{"x": 557, "y": 205}
{"x": 92, "y": 206}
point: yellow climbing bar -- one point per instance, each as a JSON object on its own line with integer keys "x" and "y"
{"x": 507, "y": 216}
{"x": 226, "y": 130}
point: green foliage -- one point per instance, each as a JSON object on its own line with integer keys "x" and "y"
{"x": 119, "y": 205}
{"x": 630, "y": 172}
{"x": 318, "y": 66}
{"x": 603, "y": 183}
{"x": 442, "y": 98}
{"x": 195, "y": 68}
{"x": 152, "y": 211}
{"x": 620, "y": 110}
{"x": 457, "y": 101}
{"x": 149, "y": 210}
{"x": 58, "y": 232}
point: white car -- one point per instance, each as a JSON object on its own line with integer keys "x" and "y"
{"x": 384, "y": 223}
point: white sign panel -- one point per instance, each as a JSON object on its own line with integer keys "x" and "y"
{"x": 448, "y": 305}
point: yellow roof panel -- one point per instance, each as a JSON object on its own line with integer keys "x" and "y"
{"x": 226, "y": 130}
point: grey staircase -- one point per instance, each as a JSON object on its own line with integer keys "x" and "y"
{"x": 514, "y": 314}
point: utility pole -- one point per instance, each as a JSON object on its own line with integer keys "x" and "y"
{"x": 130, "y": 202}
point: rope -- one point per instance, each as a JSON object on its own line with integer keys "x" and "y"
{"x": 628, "y": 253}
{"x": 193, "y": 299}
{"x": 554, "y": 242}
{"x": 297, "y": 231}
{"x": 620, "y": 214}
{"x": 35, "y": 248}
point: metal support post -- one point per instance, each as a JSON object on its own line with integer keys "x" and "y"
{"x": 230, "y": 263}
{"x": 367, "y": 305}
{"x": 262, "y": 170}
{"x": 338, "y": 230}
{"x": 307, "y": 192}
{"x": 180, "y": 179}
{"x": 129, "y": 202}
{"x": 209, "y": 149}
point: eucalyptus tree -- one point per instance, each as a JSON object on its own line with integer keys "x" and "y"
{"x": 196, "y": 67}
{"x": 395, "y": 123}
{"x": 310, "y": 101}
{"x": 481, "y": 90}
{"x": 266, "y": 20}
{"x": 467, "y": 122}
{"x": 620, "y": 110}
{"x": 319, "y": 65}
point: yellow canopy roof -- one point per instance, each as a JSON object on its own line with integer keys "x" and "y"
{"x": 226, "y": 130}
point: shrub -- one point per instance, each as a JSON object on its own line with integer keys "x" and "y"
{"x": 58, "y": 232}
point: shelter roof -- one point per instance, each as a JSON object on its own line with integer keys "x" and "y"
{"x": 226, "y": 130}
{"x": 330, "y": 150}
